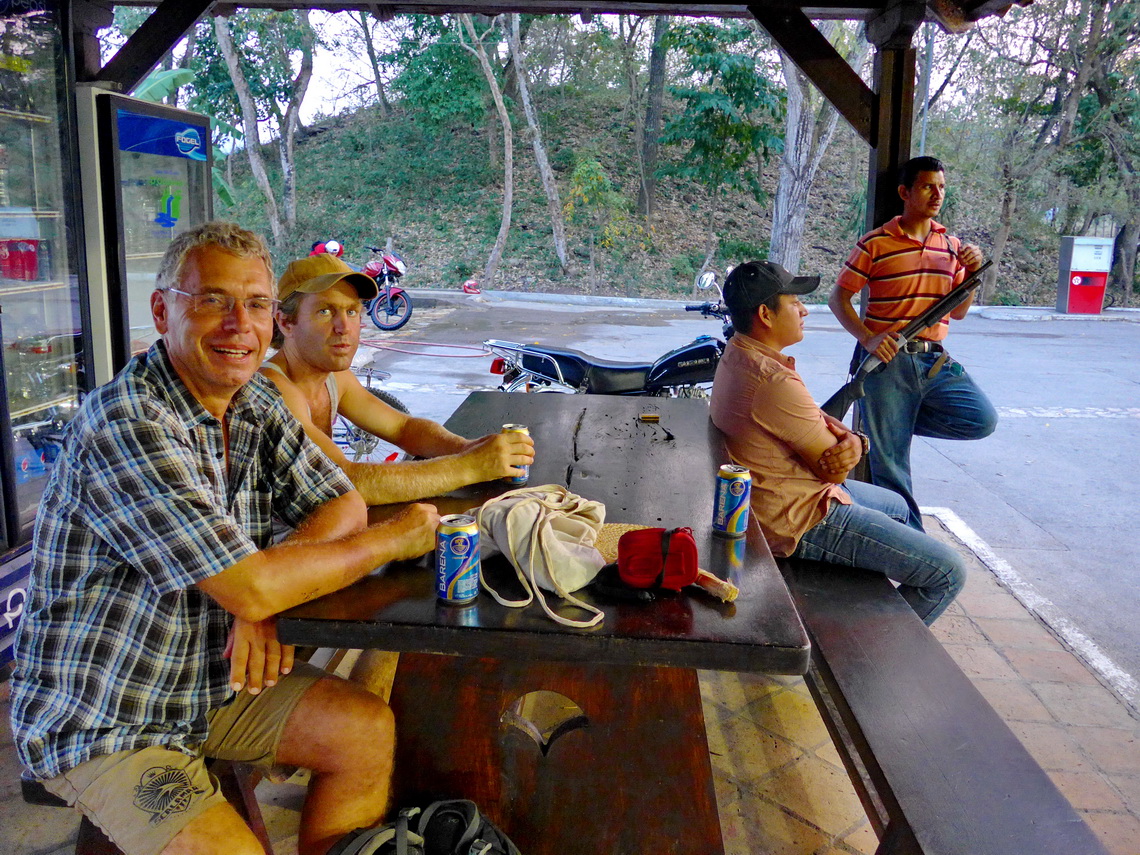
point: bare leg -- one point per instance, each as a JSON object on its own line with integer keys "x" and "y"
{"x": 218, "y": 831}
{"x": 346, "y": 736}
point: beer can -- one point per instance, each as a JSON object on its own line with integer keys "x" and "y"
{"x": 518, "y": 480}
{"x": 730, "y": 506}
{"x": 457, "y": 559}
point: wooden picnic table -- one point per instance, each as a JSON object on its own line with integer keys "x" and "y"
{"x": 631, "y": 774}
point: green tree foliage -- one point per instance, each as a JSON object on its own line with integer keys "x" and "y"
{"x": 730, "y": 118}
{"x": 438, "y": 80}
{"x": 267, "y": 43}
{"x": 597, "y": 209}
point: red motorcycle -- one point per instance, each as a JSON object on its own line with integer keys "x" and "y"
{"x": 392, "y": 307}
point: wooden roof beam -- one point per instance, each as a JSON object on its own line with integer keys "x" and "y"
{"x": 158, "y": 34}
{"x": 895, "y": 26}
{"x": 958, "y": 16}
{"x": 821, "y": 63}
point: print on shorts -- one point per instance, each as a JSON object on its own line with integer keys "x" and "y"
{"x": 164, "y": 790}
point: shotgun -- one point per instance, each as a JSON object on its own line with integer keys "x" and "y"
{"x": 838, "y": 404}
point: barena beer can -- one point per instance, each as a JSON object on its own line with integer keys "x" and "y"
{"x": 457, "y": 559}
{"x": 730, "y": 506}
{"x": 518, "y": 480}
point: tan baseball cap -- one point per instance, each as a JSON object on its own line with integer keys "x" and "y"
{"x": 318, "y": 273}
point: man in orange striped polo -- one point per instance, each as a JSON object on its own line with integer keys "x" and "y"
{"x": 908, "y": 264}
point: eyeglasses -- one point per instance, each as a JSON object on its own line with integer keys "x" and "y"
{"x": 223, "y": 304}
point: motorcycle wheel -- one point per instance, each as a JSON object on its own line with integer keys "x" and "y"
{"x": 361, "y": 445}
{"x": 391, "y": 314}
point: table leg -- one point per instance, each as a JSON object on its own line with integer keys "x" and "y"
{"x": 634, "y": 779}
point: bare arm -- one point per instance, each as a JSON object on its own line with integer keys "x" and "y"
{"x": 462, "y": 462}
{"x": 300, "y": 569}
{"x": 454, "y": 461}
{"x": 971, "y": 256}
{"x": 841, "y": 303}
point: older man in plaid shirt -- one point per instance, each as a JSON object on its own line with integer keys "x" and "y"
{"x": 153, "y": 566}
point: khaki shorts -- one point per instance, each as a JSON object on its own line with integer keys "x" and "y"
{"x": 143, "y": 797}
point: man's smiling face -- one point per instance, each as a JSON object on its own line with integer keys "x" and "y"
{"x": 216, "y": 354}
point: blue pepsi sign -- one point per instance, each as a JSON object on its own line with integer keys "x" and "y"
{"x": 154, "y": 135}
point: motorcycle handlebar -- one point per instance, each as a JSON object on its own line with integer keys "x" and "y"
{"x": 707, "y": 309}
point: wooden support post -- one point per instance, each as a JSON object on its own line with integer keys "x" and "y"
{"x": 894, "y": 85}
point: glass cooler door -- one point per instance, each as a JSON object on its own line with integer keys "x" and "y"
{"x": 41, "y": 332}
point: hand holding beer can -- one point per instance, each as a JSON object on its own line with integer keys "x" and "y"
{"x": 518, "y": 480}
{"x": 730, "y": 505}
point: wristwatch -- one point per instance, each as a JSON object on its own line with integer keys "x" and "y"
{"x": 866, "y": 441}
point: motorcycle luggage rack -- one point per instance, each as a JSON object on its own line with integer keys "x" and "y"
{"x": 523, "y": 350}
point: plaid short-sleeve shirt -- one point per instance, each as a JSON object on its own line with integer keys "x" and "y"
{"x": 117, "y": 649}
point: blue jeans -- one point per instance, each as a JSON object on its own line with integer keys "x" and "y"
{"x": 873, "y": 534}
{"x": 902, "y": 402}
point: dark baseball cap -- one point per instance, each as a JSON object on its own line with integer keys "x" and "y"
{"x": 754, "y": 282}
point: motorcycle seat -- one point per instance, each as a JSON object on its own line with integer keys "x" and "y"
{"x": 616, "y": 378}
{"x": 598, "y": 376}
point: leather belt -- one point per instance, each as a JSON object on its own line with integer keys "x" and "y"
{"x": 921, "y": 345}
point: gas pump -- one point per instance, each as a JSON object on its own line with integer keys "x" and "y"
{"x": 1085, "y": 264}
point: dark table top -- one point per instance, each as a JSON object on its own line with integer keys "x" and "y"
{"x": 657, "y": 474}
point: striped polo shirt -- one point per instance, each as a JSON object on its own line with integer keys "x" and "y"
{"x": 905, "y": 276}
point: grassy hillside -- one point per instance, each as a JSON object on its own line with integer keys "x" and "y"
{"x": 434, "y": 192}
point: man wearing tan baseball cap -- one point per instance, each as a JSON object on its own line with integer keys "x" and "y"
{"x": 317, "y": 335}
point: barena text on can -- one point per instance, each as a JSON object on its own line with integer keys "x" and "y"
{"x": 457, "y": 559}
{"x": 518, "y": 480}
{"x": 730, "y": 506}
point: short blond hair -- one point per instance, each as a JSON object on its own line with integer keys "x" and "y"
{"x": 229, "y": 237}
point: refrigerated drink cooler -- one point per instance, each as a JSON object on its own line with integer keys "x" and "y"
{"x": 41, "y": 333}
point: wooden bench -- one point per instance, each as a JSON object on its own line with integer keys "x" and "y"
{"x": 937, "y": 769}
{"x": 237, "y": 781}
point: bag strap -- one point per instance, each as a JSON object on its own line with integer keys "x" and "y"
{"x": 499, "y": 598}
{"x": 598, "y": 614}
{"x": 529, "y": 494}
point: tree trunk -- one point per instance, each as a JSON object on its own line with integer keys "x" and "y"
{"x": 546, "y": 174}
{"x": 593, "y": 268}
{"x": 711, "y": 244}
{"x": 808, "y": 132}
{"x": 381, "y": 96}
{"x": 511, "y": 69}
{"x": 1001, "y": 236}
{"x": 1124, "y": 259}
{"x": 250, "y": 130}
{"x": 654, "y": 109}
{"x": 476, "y": 47}
{"x": 286, "y": 139}
{"x": 187, "y": 58}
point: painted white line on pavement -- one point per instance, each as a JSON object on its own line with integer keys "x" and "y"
{"x": 1069, "y": 412}
{"x": 1120, "y": 680}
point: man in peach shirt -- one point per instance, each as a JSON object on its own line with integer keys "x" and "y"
{"x": 800, "y": 457}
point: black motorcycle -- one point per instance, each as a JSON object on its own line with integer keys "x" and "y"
{"x": 684, "y": 372}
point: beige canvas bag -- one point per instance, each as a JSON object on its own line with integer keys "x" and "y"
{"x": 549, "y": 536}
